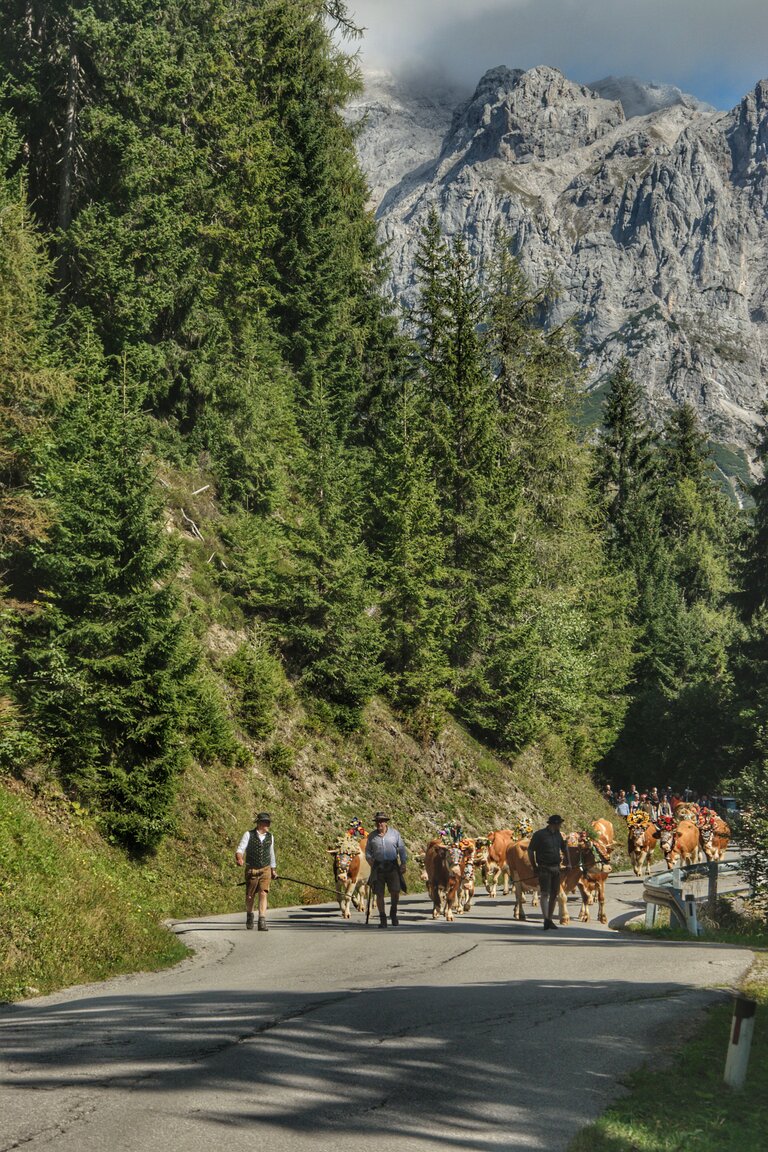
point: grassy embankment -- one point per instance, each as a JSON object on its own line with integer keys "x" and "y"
{"x": 682, "y": 1104}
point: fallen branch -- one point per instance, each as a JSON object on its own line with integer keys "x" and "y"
{"x": 195, "y": 530}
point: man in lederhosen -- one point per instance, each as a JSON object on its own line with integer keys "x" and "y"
{"x": 257, "y": 851}
{"x": 386, "y": 854}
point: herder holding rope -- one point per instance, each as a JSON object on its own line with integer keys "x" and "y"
{"x": 257, "y": 851}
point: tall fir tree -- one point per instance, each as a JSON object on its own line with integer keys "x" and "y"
{"x": 105, "y": 658}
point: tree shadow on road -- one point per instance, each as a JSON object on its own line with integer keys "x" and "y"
{"x": 460, "y": 1063}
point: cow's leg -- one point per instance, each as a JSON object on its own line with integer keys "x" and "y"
{"x": 491, "y": 882}
{"x": 535, "y": 898}
{"x": 518, "y": 912}
{"x": 505, "y": 874}
{"x": 450, "y": 897}
{"x": 562, "y": 903}
{"x": 601, "y": 901}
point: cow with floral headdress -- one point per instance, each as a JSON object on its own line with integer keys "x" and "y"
{"x": 642, "y": 841}
{"x": 351, "y": 870}
{"x": 714, "y": 832}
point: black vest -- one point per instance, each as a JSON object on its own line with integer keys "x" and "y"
{"x": 257, "y": 852}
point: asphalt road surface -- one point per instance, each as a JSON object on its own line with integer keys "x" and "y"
{"x": 325, "y": 1035}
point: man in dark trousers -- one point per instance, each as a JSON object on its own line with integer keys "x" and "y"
{"x": 257, "y": 851}
{"x": 545, "y": 850}
{"x": 386, "y": 854}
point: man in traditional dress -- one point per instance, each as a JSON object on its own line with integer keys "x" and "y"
{"x": 257, "y": 851}
{"x": 386, "y": 854}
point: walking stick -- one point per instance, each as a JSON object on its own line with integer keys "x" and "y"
{"x": 370, "y": 894}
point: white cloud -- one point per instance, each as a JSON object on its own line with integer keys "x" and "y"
{"x": 714, "y": 48}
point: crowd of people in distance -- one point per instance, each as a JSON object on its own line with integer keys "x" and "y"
{"x": 656, "y": 803}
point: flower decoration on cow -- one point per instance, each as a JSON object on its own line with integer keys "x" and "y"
{"x": 707, "y": 818}
{"x": 666, "y": 823}
{"x": 356, "y": 830}
{"x": 639, "y": 819}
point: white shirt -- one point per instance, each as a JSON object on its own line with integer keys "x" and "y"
{"x": 244, "y": 844}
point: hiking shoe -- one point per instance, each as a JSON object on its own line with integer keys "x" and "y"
{"x": 382, "y": 922}
{"x": 249, "y": 920}
{"x": 263, "y": 925}
{"x": 394, "y": 920}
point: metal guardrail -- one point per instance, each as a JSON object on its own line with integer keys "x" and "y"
{"x": 666, "y": 890}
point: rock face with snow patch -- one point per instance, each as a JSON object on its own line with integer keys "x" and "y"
{"x": 649, "y": 208}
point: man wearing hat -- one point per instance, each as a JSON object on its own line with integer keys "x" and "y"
{"x": 544, "y": 851}
{"x": 257, "y": 851}
{"x": 386, "y": 854}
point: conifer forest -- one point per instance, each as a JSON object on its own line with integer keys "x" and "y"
{"x": 405, "y": 506}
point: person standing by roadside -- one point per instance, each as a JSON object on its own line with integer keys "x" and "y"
{"x": 386, "y": 854}
{"x": 257, "y": 851}
{"x": 545, "y": 850}
{"x": 622, "y": 807}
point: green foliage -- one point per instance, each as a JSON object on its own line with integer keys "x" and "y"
{"x": 105, "y": 657}
{"x": 259, "y": 682}
{"x": 672, "y": 531}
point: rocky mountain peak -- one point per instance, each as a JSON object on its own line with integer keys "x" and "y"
{"x": 525, "y": 115}
{"x": 648, "y": 207}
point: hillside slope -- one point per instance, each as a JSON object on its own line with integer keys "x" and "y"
{"x": 75, "y": 908}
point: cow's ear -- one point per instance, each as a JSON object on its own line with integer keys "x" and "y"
{"x": 333, "y": 851}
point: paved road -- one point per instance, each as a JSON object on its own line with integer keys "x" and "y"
{"x": 322, "y": 1035}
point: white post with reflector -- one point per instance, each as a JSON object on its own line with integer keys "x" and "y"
{"x": 742, "y": 1027}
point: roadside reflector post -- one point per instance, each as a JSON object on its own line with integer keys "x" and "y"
{"x": 650, "y": 914}
{"x": 691, "y": 918}
{"x": 742, "y": 1027}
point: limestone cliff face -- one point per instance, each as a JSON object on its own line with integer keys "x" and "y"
{"x": 649, "y": 208}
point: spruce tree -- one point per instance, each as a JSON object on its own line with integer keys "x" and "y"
{"x": 105, "y": 658}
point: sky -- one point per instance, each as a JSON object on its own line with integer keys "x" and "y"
{"x": 715, "y": 49}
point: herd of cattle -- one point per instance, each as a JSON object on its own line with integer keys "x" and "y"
{"x": 690, "y": 834}
{"x": 449, "y": 869}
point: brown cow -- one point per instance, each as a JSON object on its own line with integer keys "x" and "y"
{"x": 715, "y": 834}
{"x": 467, "y": 884}
{"x": 443, "y": 864}
{"x": 642, "y": 840}
{"x": 593, "y": 856}
{"x": 680, "y": 844}
{"x": 496, "y": 862}
{"x": 351, "y": 872}
{"x": 525, "y": 879}
{"x": 603, "y": 838}
{"x": 586, "y": 872}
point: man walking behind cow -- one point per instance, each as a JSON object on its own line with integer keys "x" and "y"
{"x": 257, "y": 851}
{"x": 386, "y": 854}
{"x": 544, "y": 851}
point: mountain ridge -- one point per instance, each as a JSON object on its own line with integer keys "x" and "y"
{"x": 653, "y": 224}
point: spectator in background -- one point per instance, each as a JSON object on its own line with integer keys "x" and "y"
{"x": 622, "y": 807}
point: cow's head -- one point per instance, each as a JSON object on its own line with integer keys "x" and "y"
{"x": 637, "y": 837}
{"x": 342, "y": 858}
{"x": 482, "y": 844}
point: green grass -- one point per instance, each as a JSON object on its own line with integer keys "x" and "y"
{"x": 684, "y": 1105}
